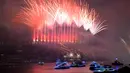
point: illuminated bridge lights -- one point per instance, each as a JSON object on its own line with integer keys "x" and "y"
{"x": 66, "y": 35}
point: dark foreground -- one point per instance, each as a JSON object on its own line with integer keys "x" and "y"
{"x": 47, "y": 68}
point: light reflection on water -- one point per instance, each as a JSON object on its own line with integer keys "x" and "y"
{"x": 47, "y": 68}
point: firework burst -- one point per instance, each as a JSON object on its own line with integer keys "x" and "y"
{"x": 44, "y": 14}
{"x": 32, "y": 15}
{"x": 96, "y": 28}
{"x": 125, "y": 44}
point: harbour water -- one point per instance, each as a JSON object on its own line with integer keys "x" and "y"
{"x": 46, "y": 68}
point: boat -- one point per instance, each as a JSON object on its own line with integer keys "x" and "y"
{"x": 116, "y": 62}
{"x": 40, "y": 63}
{"x": 94, "y": 65}
{"x": 78, "y": 64}
{"x": 105, "y": 69}
{"x": 62, "y": 65}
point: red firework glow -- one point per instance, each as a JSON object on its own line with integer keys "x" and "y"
{"x": 58, "y": 20}
{"x": 57, "y": 34}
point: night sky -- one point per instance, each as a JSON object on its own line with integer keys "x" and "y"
{"x": 115, "y": 12}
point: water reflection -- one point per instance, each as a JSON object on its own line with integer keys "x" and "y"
{"x": 46, "y": 68}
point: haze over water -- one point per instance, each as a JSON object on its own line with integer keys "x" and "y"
{"x": 47, "y": 68}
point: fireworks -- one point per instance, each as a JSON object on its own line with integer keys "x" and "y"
{"x": 43, "y": 15}
{"x": 125, "y": 44}
{"x": 96, "y": 28}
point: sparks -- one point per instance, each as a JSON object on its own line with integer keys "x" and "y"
{"x": 125, "y": 44}
{"x": 44, "y": 14}
{"x": 94, "y": 29}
